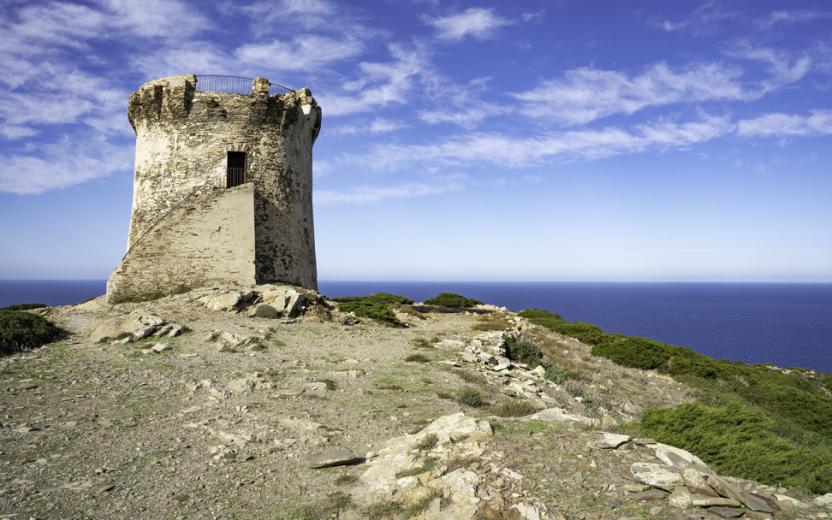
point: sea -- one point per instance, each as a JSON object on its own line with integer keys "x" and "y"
{"x": 788, "y": 325}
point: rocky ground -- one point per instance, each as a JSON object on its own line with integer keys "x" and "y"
{"x": 271, "y": 404}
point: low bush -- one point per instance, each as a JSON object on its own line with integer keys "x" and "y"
{"x": 371, "y": 309}
{"x": 381, "y": 297}
{"x": 557, "y": 375}
{"x": 456, "y": 301}
{"x": 23, "y": 307}
{"x": 790, "y": 412}
{"x": 20, "y": 330}
{"x": 523, "y": 351}
{"x": 743, "y": 441}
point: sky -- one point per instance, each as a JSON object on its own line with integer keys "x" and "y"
{"x": 496, "y": 141}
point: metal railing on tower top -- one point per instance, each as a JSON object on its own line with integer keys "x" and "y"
{"x": 233, "y": 84}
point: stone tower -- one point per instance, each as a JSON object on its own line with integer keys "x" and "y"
{"x": 222, "y": 187}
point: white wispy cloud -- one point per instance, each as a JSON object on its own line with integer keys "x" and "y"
{"x": 158, "y": 19}
{"x": 783, "y": 67}
{"x": 379, "y": 84}
{"x": 816, "y": 122}
{"x": 267, "y": 15}
{"x": 475, "y": 22}
{"x": 374, "y": 127}
{"x": 705, "y": 19}
{"x": 58, "y": 165}
{"x": 370, "y": 194}
{"x": 300, "y": 53}
{"x": 793, "y": 17}
{"x": 585, "y": 94}
{"x": 473, "y": 150}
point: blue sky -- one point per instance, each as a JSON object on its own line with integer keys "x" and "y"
{"x": 530, "y": 140}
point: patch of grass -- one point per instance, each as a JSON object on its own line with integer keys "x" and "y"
{"x": 421, "y": 343}
{"x": 514, "y": 408}
{"x": 23, "y": 307}
{"x": 383, "y": 510}
{"x": 471, "y": 397}
{"x": 417, "y": 358}
{"x": 428, "y": 443}
{"x": 427, "y": 465}
{"x": 327, "y": 508}
{"x": 460, "y": 462}
{"x": 20, "y": 330}
{"x": 346, "y": 479}
{"x": 456, "y": 301}
{"x": 773, "y": 422}
{"x": 475, "y": 378}
{"x": 420, "y": 505}
{"x": 491, "y": 322}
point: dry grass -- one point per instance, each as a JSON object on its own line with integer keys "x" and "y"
{"x": 514, "y": 408}
{"x": 491, "y": 322}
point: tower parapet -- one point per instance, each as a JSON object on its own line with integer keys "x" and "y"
{"x": 208, "y": 154}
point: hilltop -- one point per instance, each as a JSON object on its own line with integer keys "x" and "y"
{"x": 274, "y": 402}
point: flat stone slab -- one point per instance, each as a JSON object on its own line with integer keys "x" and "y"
{"x": 727, "y": 512}
{"x": 656, "y": 475}
{"x": 611, "y": 441}
{"x": 335, "y": 457}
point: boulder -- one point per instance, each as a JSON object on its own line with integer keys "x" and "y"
{"x": 134, "y": 326}
{"x": 559, "y": 415}
{"x": 751, "y": 501}
{"x": 727, "y": 512}
{"x": 680, "y": 498}
{"x": 230, "y": 342}
{"x": 824, "y": 500}
{"x": 334, "y": 457}
{"x": 673, "y": 456}
{"x": 286, "y": 300}
{"x": 789, "y": 503}
{"x": 656, "y": 475}
{"x": 227, "y": 301}
{"x": 611, "y": 441}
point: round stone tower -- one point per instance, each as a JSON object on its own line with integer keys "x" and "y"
{"x": 222, "y": 186}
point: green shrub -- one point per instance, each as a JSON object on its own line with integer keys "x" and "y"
{"x": 523, "y": 351}
{"x": 556, "y": 374}
{"x": 23, "y": 307}
{"x": 790, "y": 412}
{"x": 21, "y": 330}
{"x": 371, "y": 309}
{"x": 456, "y": 301}
{"x": 741, "y": 440}
{"x": 382, "y": 297}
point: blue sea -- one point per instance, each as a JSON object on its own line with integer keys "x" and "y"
{"x": 789, "y": 325}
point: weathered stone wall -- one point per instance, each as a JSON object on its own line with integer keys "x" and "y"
{"x": 182, "y": 140}
{"x": 207, "y": 240}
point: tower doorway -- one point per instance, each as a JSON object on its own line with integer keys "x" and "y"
{"x": 236, "y": 165}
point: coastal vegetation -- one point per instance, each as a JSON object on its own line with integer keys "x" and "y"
{"x": 20, "y": 330}
{"x": 378, "y": 306}
{"x": 456, "y": 301}
{"x": 752, "y": 421}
